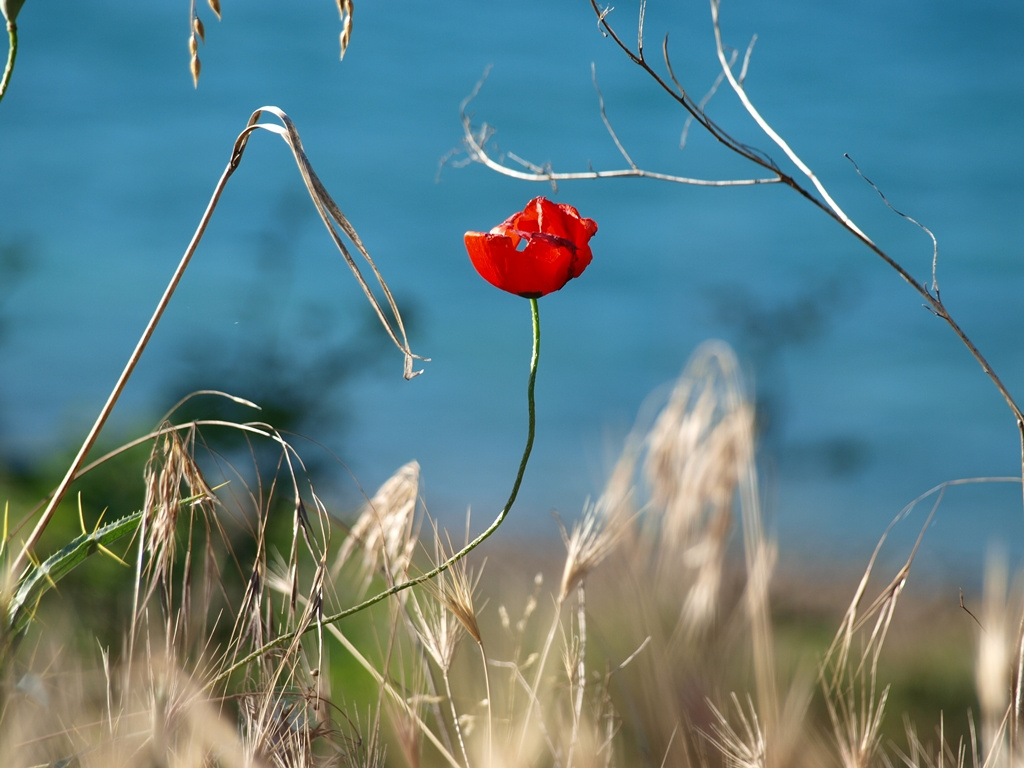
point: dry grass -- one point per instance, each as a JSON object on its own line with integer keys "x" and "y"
{"x": 654, "y": 644}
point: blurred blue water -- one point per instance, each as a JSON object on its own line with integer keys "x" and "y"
{"x": 108, "y": 155}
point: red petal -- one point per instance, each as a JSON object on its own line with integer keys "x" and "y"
{"x": 556, "y": 249}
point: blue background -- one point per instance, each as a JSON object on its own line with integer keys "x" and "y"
{"x": 108, "y": 156}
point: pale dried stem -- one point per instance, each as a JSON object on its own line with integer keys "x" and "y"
{"x": 993, "y": 660}
{"x": 542, "y": 661}
{"x": 455, "y": 715}
{"x": 770, "y": 132}
{"x": 579, "y": 675}
{"x": 604, "y": 117}
{"x": 490, "y": 703}
{"x": 1017, "y": 687}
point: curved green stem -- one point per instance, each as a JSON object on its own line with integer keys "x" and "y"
{"x": 293, "y": 635}
{"x": 12, "y": 53}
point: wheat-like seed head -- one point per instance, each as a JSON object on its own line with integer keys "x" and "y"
{"x": 698, "y": 449}
{"x": 384, "y": 528}
{"x": 170, "y": 470}
{"x": 455, "y": 589}
{"x": 593, "y": 537}
{"x": 438, "y": 630}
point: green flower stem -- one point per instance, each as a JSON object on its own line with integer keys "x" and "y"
{"x": 12, "y": 53}
{"x": 291, "y": 636}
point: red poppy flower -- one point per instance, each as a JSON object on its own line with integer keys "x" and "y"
{"x": 534, "y": 252}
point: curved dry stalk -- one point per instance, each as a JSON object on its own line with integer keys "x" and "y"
{"x": 58, "y": 564}
{"x": 578, "y": 676}
{"x": 854, "y": 699}
{"x": 331, "y": 216}
{"x": 838, "y": 654}
{"x": 532, "y": 690}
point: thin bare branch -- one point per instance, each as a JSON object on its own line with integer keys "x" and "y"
{"x": 640, "y": 30}
{"x": 911, "y": 219}
{"x": 475, "y": 142}
{"x": 824, "y": 202}
{"x": 746, "y": 59}
{"x": 741, "y": 94}
{"x": 702, "y": 104}
{"x": 607, "y": 123}
{"x": 688, "y": 104}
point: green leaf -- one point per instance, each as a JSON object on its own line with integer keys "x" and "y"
{"x": 42, "y": 577}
